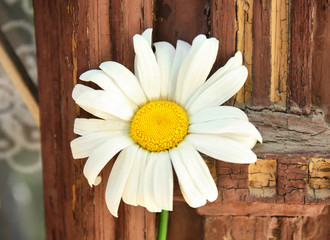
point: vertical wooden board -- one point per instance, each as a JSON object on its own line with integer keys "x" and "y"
{"x": 321, "y": 58}
{"x": 300, "y": 73}
{"x": 128, "y": 18}
{"x": 261, "y": 68}
{"x": 180, "y": 20}
{"x": 280, "y": 12}
{"x": 184, "y": 223}
{"x": 73, "y": 209}
{"x": 244, "y": 43}
{"x": 99, "y": 51}
{"x": 67, "y": 209}
{"x": 223, "y": 28}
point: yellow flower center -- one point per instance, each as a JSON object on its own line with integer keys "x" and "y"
{"x": 159, "y": 125}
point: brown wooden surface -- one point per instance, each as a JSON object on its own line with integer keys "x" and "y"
{"x": 73, "y": 37}
{"x": 261, "y": 53}
{"x": 183, "y": 20}
{"x": 69, "y": 45}
{"x": 223, "y": 28}
{"x": 300, "y": 73}
{"x": 321, "y": 58}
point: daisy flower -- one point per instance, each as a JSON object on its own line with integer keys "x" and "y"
{"x": 162, "y": 117}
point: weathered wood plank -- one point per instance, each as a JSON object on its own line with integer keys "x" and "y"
{"x": 73, "y": 209}
{"x": 300, "y": 73}
{"x": 260, "y": 209}
{"x": 67, "y": 207}
{"x": 244, "y": 43}
{"x": 291, "y": 134}
{"x": 261, "y": 68}
{"x": 126, "y": 19}
{"x": 321, "y": 57}
{"x": 180, "y": 20}
{"x": 267, "y": 227}
{"x": 280, "y": 12}
{"x": 223, "y": 28}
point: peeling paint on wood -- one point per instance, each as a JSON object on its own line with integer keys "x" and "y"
{"x": 244, "y": 43}
{"x": 319, "y": 178}
{"x": 262, "y": 178}
{"x": 280, "y": 12}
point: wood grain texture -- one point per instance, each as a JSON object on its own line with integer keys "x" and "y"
{"x": 321, "y": 58}
{"x": 68, "y": 210}
{"x": 223, "y": 28}
{"x": 279, "y": 31}
{"x": 244, "y": 43}
{"x": 262, "y": 227}
{"x": 261, "y": 68}
{"x": 300, "y": 74}
{"x": 287, "y": 134}
{"x": 126, "y": 19}
{"x": 180, "y": 20}
{"x": 73, "y": 209}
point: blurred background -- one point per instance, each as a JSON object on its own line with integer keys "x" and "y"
{"x": 21, "y": 196}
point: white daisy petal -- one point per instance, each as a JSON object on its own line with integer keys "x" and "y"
{"x": 80, "y": 89}
{"x": 101, "y": 79}
{"x": 190, "y": 192}
{"x": 130, "y": 193}
{"x": 232, "y": 63}
{"x": 82, "y": 147}
{"x": 163, "y": 181}
{"x": 164, "y": 55}
{"x": 148, "y": 69}
{"x": 217, "y": 112}
{"x": 147, "y": 35}
{"x": 198, "y": 171}
{"x": 221, "y": 148}
{"x": 195, "y": 68}
{"x": 149, "y": 182}
{"x": 181, "y": 51}
{"x": 108, "y": 102}
{"x": 143, "y": 163}
{"x": 218, "y": 92}
{"x": 103, "y": 154}
{"x": 248, "y": 141}
{"x": 83, "y": 126}
{"x": 126, "y": 80}
{"x": 118, "y": 178}
{"x": 229, "y": 126}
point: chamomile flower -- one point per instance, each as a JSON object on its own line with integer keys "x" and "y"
{"x": 162, "y": 117}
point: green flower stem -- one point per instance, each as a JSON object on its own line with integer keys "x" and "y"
{"x": 163, "y": 225}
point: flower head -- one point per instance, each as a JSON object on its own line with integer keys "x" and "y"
{"x": 162, "y": 116}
